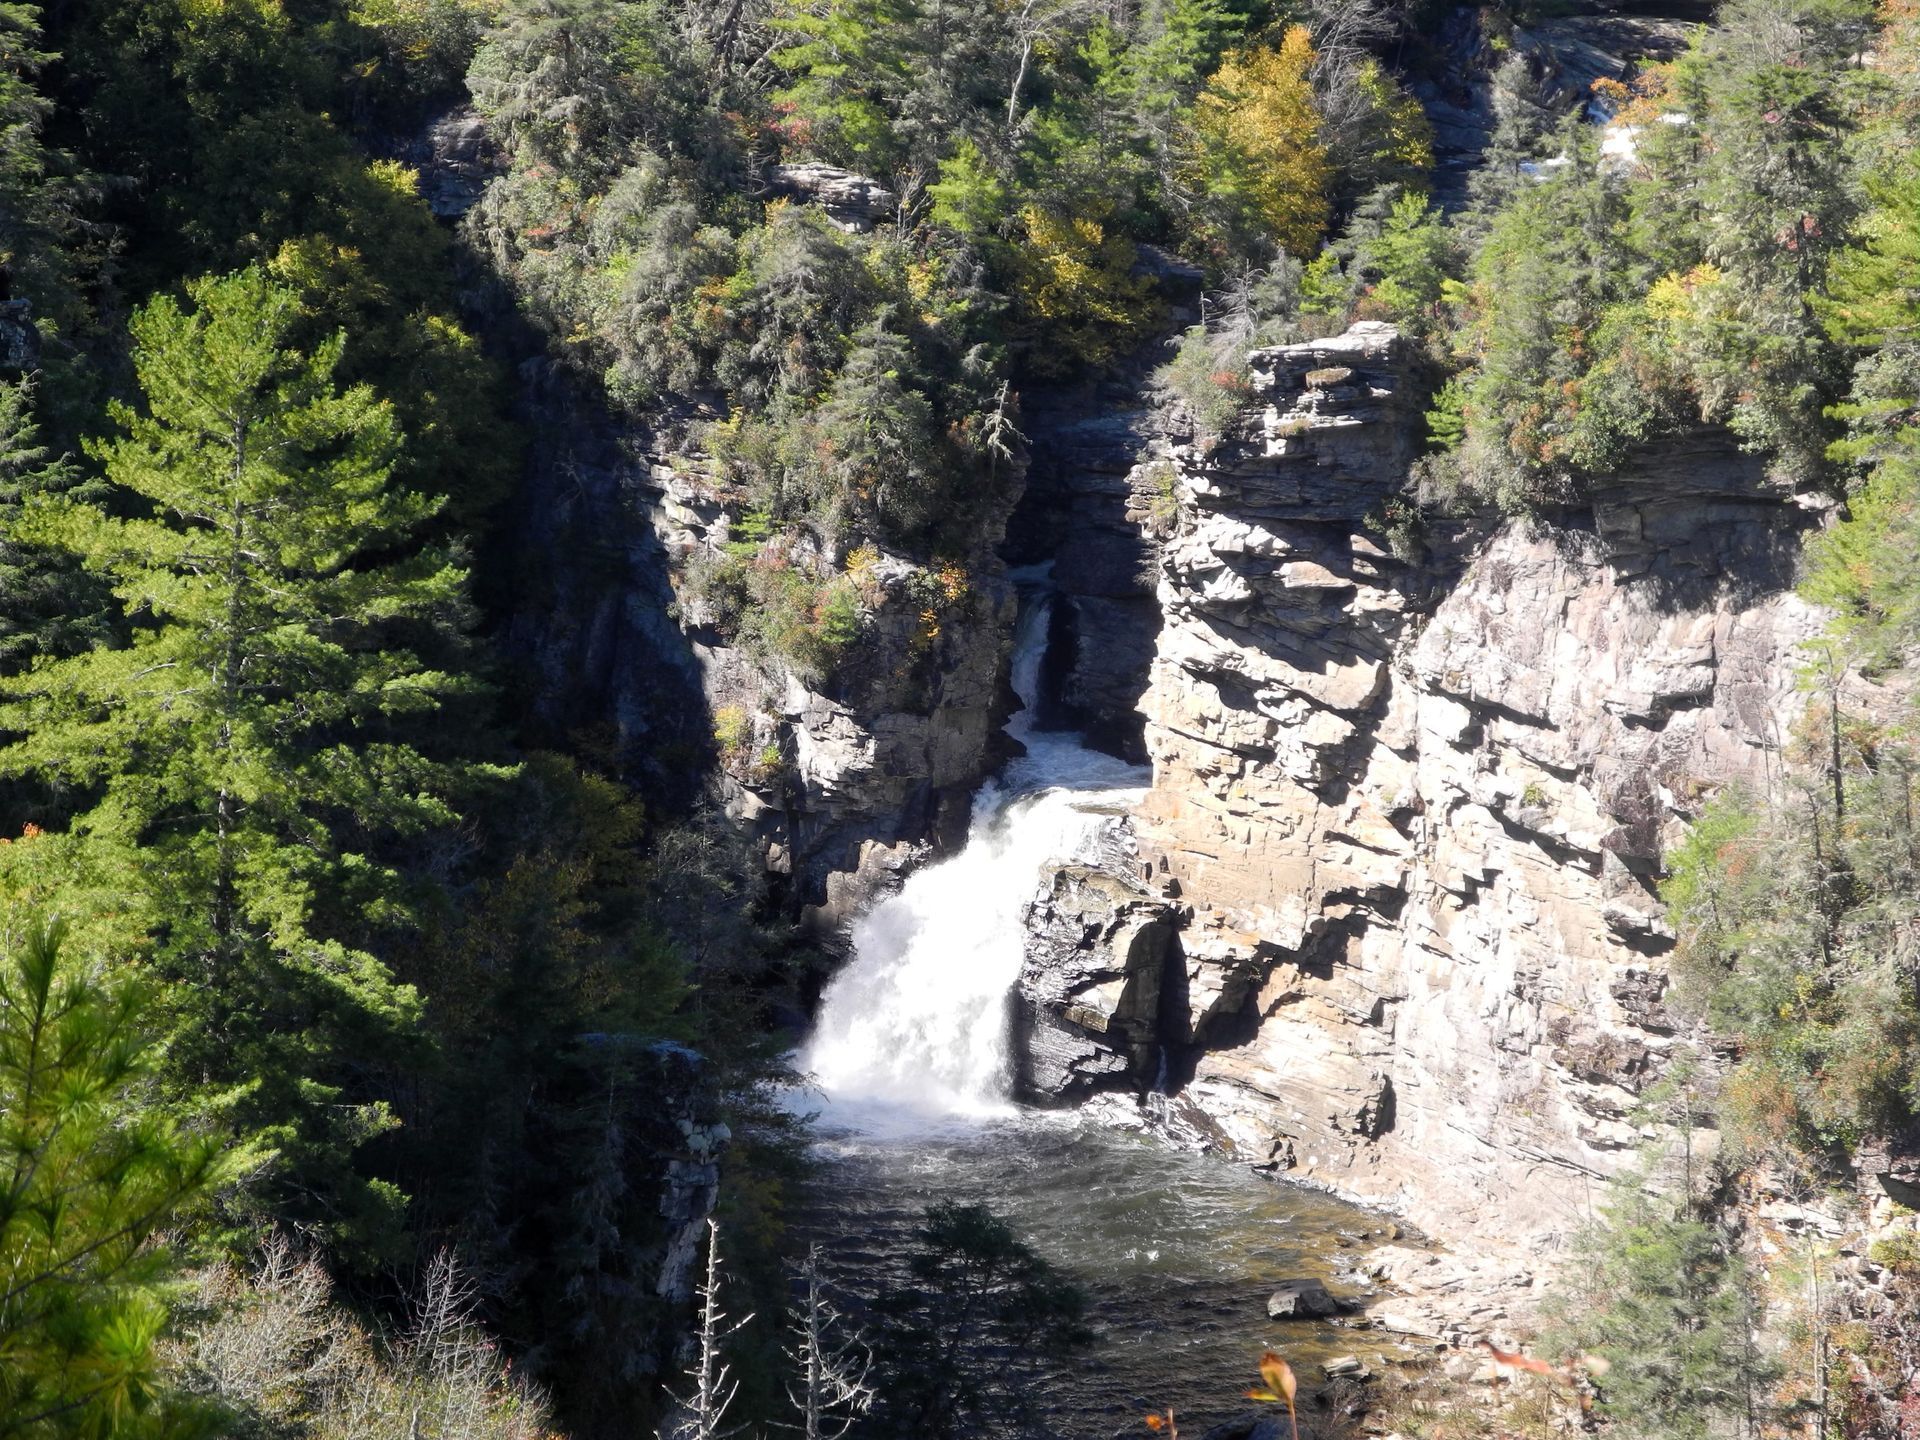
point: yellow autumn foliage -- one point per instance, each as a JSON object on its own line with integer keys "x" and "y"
{"x": 1404, "y": 137}
{"x": 1076, "y": 279}
{"x": 1256, "y": 152}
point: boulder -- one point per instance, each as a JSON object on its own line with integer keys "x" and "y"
{"x": 1304, "y": 1300}
{"x": 1088, "y": 1003}
{"x": 1891, "y": 1166}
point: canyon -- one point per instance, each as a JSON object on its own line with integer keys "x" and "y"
{"x": 1385, "y": 920}
{"x": 1409, "y": 802}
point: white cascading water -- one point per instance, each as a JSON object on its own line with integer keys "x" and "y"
{"x": 917, "y": 1019}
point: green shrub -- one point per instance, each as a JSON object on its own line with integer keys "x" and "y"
{"x": 732, "y": 730}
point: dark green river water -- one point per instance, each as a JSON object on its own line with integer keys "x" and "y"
{"x": 1178, "y": 1249}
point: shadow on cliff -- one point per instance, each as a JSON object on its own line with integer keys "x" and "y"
{"x": 1079, "y": 514}
{"x": 1691, "y": 523}
{"x": 585, "y": 607}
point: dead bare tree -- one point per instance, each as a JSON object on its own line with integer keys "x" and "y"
{"x": 703, "y": 1410}
{"x": 1035, "y": 23}
{"x": 831, "y": 1393}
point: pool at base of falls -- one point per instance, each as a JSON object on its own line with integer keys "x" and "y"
{"x": 1178, "y": 1250}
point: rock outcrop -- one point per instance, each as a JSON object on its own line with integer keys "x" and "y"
{"x": 1090, "y": 992}
{"x": 1091, "y": 512}
{"x": 1411, "y": 806}
{"x": 838, "y": 785}
{"x": 853, "y": 202}
{"x": 456, "y": 159}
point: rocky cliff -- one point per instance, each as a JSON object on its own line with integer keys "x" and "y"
{"x": 836, "y": 781}
{"x": 842, "y": 780}
{"x": 1408, "y": 808}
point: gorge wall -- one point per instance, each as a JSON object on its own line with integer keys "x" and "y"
{"x": 1387, "y": 919}
{"x": 1408, "y": 808}
{"x": 835, "y": 784}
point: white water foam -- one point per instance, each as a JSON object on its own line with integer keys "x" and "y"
{"x": 916, "y": 1023}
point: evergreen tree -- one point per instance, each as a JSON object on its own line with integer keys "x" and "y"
{"x": 246, "y": 755}
{"x": 43, "y": 245}
{"x": 1777, "y": 199}
{"x": 47, "y": 606}
{"x": 90, "y": 1177}
{"x": 1522, "y": 120}
{"x": 1550, "y": 268}
{"x": 550, "y": 78}
{"x": 1665, "y": 1298}
{"x": 849, "y": 69}
{"x": 1175, "y": 45}
{"x": 1865, "y": 566}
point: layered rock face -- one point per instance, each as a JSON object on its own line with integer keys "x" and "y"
{"x": 1409, "y": 812}
{"x": 841, "y": 786}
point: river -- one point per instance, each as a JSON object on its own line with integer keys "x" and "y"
{"x": 909, "y": 1058}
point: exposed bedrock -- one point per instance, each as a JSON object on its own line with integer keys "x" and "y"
{"x": 837, "y": 786}
{"x": 842, "y": 784}
{"x": 1089, "y": 1000}
{"x": 838, "y": 782}
{"x": 1410, "y": 812}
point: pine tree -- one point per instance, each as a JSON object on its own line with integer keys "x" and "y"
{"x": 1665, "y": 1298}
{"x": 47, "y": 606}
{"x": 849, "y": 71}
{"x": 1777, "y": 198}
{"x": 1521, "y": 124}
{"x": 248, "y": 750}
{"x": 42, "y": 245}
{"x": 1175, "y": 44}
{"x": 89, "y": 1178}
{"x": 546, "y": 79}
{"x": 1865, "y": 566}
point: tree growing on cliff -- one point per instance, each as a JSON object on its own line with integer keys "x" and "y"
{"x": 1664, "y": 1297}
{"x": 246, "y": 756}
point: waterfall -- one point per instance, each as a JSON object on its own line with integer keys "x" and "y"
{"x": 917, "y": 1019}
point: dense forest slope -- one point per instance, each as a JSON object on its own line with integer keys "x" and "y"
{"x": 510, "y": 513}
